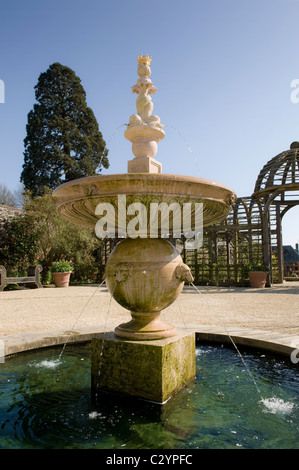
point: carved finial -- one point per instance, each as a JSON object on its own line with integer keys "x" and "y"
{"x": 144, "y": 59}
{"x": 144, "y": 65}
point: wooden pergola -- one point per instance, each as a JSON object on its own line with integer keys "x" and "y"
{"x": 252, "y": 231}
{"x": 277, "y": 190}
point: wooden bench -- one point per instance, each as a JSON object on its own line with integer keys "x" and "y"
{"x": 33, "y": 273}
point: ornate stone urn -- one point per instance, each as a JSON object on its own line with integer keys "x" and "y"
{"x": 145, "y": 276}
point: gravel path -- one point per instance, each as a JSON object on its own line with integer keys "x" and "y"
{"x": 273, "y": 309}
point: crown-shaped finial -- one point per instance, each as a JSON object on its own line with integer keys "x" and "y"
{"x": 144, "y": 59}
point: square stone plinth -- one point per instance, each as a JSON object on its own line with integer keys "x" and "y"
{"x": 153, "y": 370}
{"x": 144, "y": 165}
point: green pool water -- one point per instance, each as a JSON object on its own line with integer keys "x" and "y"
{"x": 45, "y": 403}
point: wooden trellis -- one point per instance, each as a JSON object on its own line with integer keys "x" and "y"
{"x": 228, "y": 246}
{"x": 252, "y": 231}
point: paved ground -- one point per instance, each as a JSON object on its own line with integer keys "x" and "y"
{"x": 91, "y": 308}
{"x": 272, "y": 309}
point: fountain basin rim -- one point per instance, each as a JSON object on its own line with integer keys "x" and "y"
{"x": 77, "y": 200}
{"x": 194, "y": 180}
{"x": 278, "y": 343}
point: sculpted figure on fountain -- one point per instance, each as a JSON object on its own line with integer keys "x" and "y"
{"x": 144, "y": 88}
{"x": 144, "y": 129}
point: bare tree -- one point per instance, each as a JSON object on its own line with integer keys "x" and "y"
{"x": 7, "y": 198}
{"x": 21, "y": 196}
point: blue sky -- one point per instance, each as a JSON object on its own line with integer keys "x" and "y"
{"x": 223, "y": 69}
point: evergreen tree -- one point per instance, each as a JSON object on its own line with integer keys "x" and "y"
{"x": 63, "y": 140}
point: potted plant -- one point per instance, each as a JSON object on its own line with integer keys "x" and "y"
{"x": 61, "y": 272}
{"x": 257, "y": 274}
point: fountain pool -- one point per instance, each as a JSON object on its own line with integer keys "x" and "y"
{"x": 46, "y": 402}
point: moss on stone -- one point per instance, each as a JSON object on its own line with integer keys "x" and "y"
{"x": 153, "y": 370}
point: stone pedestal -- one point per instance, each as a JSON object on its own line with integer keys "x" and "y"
{"x": 153, "y": 370}
{"x": 144, "y": 165}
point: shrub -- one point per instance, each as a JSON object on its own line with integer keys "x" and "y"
{"x": 42, "y": 236}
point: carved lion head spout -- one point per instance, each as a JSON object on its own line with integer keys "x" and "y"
{"x": 231, "y": 199}
{"x": 123, "y": 271}
{"x": 183, "y": 273}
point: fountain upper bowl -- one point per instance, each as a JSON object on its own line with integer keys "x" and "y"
{"x": 77, "y": 200}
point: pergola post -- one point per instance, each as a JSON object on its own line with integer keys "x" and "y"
{"x": 279, "y": 246}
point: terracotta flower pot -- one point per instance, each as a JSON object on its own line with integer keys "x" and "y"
{"x": 62, "y": 279}
{"x": 258, "y": 278}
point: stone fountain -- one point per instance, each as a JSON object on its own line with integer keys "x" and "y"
{"x": 145, "y": 357}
